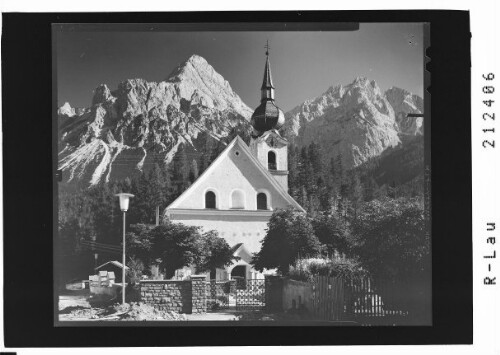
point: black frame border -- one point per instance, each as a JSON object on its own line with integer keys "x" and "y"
{"x": 29, "y": 186}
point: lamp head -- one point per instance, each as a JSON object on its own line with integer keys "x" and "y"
{"x": 124, "y": 200}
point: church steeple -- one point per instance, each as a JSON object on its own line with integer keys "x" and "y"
{"x": 267, "y": 88}
{"x": 267, "y": 116}
{"x": 266, "y": 144}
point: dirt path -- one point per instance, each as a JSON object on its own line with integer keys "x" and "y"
{"x": 78, "y": 305}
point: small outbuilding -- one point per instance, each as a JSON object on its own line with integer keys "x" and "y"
{"x": 112, "y": 266}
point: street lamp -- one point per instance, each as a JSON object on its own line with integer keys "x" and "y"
{"x": 124, "y": 202}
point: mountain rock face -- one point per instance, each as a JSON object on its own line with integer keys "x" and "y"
{"x": 404, "y": 102}
{"x": 356, "y": 121}
{"x": 141, "y": 123}
{"x": 66, "y": 110}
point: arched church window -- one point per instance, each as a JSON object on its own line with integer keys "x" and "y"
{"x": 210, "y": 199}
{"x": 237, "y": 199}
{"x": 261, "y": 201}
{"x": 271, "y": 160}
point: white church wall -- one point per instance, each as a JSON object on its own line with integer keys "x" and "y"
{"x": 282, "y": 180}
{"x": 235, "y": 173}
{"x": 234, "y": 229}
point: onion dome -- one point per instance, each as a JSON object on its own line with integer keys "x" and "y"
{"x": 267, "y": 116}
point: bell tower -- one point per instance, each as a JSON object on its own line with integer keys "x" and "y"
{"x": 267, "y": 145}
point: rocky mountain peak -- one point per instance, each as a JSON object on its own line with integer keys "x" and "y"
{"x": 362, "y": 87}
{"x": 140, "y": 123}
{"x": 197, "y": 77}
{"x": 66, "y": 110}
{"x": 356, "y": 121}
{"x": 195, "y": 67}
{"x": 194, "y": 62}
{"x": 404, "y": 102}
{"x": 101, "y": 94}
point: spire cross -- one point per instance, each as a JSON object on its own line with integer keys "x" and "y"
{"x": 267, "y": 47}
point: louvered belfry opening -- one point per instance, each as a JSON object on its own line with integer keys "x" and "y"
{"x": 271, "y": 160}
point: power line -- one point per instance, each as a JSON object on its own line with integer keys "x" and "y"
{"x": 102, "y": 250}
{"x": 108, "y": 247}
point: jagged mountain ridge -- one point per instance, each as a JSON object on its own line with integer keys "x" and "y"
{"x": 128, "y": 129}
{"x": 356, "y": 121}
{"x": 142, "y": 122}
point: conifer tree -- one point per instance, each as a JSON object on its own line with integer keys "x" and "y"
{"x": 292, "y": 166}
{"x": 180, "y": 170}
{"x": 325, "y": 198}
{"x": 332, "y": 169}
{"x": 314, "y": 155}
{"x": 156, "y": 189}
{"x": 193, "y": 171}
{"x": 392, "y": 190}
{"x": 303, "y": 198}
{"x": 370, "y": 188}
{"x": 356, "y": 194}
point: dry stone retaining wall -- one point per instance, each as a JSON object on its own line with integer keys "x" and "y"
{"x": 186, "y": 296}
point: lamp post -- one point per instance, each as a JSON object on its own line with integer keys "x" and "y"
{"x": 124, "y": 202}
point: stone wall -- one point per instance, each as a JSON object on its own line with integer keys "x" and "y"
{"x": 199, "y": 294}
{"x": 167, "y": 295}
{"x": 186, "y": 296}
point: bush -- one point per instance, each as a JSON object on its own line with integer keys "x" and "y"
{"x": 135, "y": 270}
{"x": 216, "y": 253}
{"x": 175, "y": 245}
{"x": 289, "y": 235}
{"x": 333, "y": 233}
{"x": 306, "y": 269}
{"x": 391, "y": 239}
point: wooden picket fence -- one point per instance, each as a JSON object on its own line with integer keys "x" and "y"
{"x": 334, "y": 299}
{"x": 328, "y": 298}
{"x": 363, "y": 299}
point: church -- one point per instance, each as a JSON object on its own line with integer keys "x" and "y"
{"x": 237, "y": 193}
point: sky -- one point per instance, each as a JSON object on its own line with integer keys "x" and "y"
{"x": 304, "y": 64}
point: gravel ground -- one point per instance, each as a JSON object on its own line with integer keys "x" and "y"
{"x": 76, "y": 304}
{"x": 129, "y": 312}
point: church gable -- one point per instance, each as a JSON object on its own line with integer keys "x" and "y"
{"x": 234, "y": 180}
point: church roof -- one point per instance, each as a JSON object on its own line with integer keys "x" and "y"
{"x": 268, "y": 79}
{"x": 244, "y": 149}
{"x": 235, "y": 248}
{"x": 241, "y": 251}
